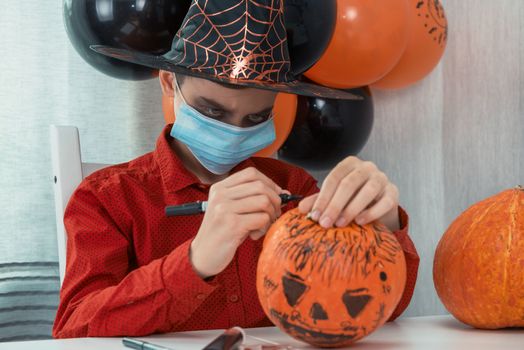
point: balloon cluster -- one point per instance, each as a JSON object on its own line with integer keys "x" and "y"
{"x": 386, "y": 44}
{"x": 344, "y": 44}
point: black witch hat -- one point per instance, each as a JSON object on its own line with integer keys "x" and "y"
{"x": 241, "y": 42}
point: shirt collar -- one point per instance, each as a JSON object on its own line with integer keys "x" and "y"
{"x": 175, "y": 176}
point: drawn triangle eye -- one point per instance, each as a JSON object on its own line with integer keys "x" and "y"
{"x": 355, "y": 304}
{"x": 294, "y": 288}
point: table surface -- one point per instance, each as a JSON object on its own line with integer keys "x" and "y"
{"x": 431, "y": 332}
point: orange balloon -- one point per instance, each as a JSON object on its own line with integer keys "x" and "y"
{"x": 369, "y": 39}
{"x": 285, "y": 110}
{"x": 426, "y": 44}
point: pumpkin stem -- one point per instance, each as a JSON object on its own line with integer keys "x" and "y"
{"x": 519, "y": 187}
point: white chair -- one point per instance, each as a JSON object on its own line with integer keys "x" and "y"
{"x": 68, "y": 171}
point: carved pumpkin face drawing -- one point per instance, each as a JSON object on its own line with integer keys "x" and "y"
{"x": 329, "y": 287}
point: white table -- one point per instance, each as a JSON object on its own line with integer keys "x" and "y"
{"x": 433, "y": 332}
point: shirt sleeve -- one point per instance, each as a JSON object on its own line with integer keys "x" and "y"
{"x": 412, "y": 263}
{"x": 103, "y": 294}
{"x": 310, "y": 187}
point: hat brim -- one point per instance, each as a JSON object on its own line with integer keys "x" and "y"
{"x": 160, "y": 62}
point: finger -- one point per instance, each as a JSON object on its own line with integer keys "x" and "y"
{"x": 257, "y": 223}
{"x": 372, "y": 189}
{"x": 306, "y": 204}
{"x": 248, "y": 175}
{"x": 253, "y": 188}
{"x": 256, "y": 204}
{"x": 256, "y": 235}
{"x": 332, "y": 181}
{"x": 346, "y": 190}
{"x": 385, "y": 204}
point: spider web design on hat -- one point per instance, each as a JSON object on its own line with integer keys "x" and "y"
{"x": 243, "y": 39}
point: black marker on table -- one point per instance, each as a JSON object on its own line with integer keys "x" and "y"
{"x": 142, "y": 345}
{"x": 201, "y": 206}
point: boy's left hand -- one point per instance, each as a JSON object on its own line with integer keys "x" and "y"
{"x": 354, "y": 190}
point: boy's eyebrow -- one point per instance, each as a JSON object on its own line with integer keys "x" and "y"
{"x": 224, "y": 109}
{"x": 213, "y": 103}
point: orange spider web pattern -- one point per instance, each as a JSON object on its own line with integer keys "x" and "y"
{"x": 241, "y": 39}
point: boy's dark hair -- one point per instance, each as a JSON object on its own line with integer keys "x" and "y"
{"x": 182, "y": 77}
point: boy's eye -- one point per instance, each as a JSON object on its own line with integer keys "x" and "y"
{"x": 212, "y": 112}
{"x": 257, "y": 119}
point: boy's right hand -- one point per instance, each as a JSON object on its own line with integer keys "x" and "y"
{"x": 243, "y": 205}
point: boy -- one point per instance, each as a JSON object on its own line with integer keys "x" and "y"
{"x": 132, "y": 271}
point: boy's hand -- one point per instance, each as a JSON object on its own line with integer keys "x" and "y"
{"x": 243, "y": 205}
{"x": 354, "y": 190}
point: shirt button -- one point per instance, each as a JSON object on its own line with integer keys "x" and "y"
{"x": 233, "y": 298}
{"x": 201, "y": 296}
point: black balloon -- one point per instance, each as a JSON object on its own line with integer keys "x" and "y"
{"x": 145, "y": 25}
{"x": 310, "y": 25}
{"x": 327, "y": 131}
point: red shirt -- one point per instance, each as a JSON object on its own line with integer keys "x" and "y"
{"x": 128, "y": 270}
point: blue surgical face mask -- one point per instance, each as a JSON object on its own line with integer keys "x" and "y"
{"x": 216, "y": 145}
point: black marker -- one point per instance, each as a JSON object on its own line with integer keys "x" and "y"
{"x": 201, "y": 206}
{"x": 142, "y": 345}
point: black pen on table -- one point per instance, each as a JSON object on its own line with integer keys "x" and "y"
{"x": 201, "y": 206}
{"x": 142, "y": 345}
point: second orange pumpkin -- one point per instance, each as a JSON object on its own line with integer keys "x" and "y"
{"x": 478, "y": 269}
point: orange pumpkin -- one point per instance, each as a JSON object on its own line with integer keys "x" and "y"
{"x": 478, "y": 269}
{"x": 329, "y": 287}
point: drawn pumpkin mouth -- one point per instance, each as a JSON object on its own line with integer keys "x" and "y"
{"x": 321, "y": 337}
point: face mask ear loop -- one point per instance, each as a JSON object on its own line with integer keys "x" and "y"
{"x": 179, "y": 91}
